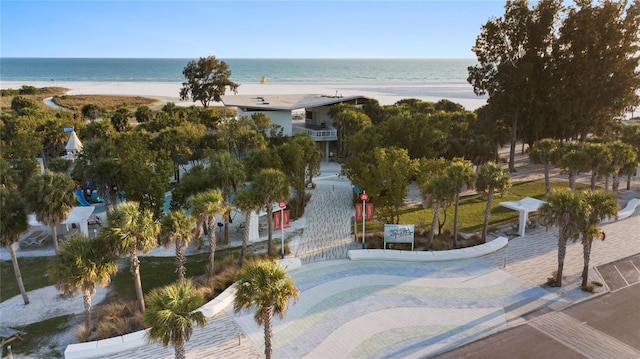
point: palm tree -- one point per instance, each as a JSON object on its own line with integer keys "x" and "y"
{"x": 82, "y": 264}
{"x": 50, "y": 196}
{"x": 204, "y": 208}
{"x": 247, "y": 201}
{"x": 544, "y": 152}
{"x": 564, "y": 210}
{"x": 622, "y": 154}
{"x": 492, "y": 178}
{"x": 437, "y": 191}
{"x": 575, "y": 160}
{"x": 176, "y": 227}
{"x": 265, "y": 286}
{"x": 227, "y": 174}
{"x": 173, "y": 311}
{"x": 271, "y": 186}
{"x": 461, "y": 175}
{"x": 598, "y": 205}
{"x": 13, "y": 222}
{"x": 130, "y": 231}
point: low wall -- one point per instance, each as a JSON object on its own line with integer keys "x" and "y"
{"x": 134, "y": 340}
{"x": 429, "y": 256}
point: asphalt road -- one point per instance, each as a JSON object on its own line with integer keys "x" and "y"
{"x": 607, "y": 326}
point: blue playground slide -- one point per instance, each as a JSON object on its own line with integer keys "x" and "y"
{"x": 80, "y": 197}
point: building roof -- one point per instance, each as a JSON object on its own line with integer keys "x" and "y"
{"x": 74, "y": 144}
{"x": 284, "y": 102}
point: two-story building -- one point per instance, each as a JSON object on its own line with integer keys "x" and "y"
{"x": 297, "y": 114}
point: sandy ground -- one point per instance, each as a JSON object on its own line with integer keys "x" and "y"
{"x": 386, "y": 94}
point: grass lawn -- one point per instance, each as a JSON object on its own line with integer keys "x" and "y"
{"x": 5, "y": 101}
{"x": 155, "y": 272}
{"x": 107, "y": 102}
{"x": 471, "y": 210}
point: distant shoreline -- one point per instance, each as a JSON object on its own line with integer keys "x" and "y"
{"x": 385, "y": 93}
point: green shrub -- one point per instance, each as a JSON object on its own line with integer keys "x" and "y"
{"x": 588, "y": 288}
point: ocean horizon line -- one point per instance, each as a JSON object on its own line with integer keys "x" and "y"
{"x": 243, "y": 58}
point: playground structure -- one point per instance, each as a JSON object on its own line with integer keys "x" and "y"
{"x": 80, "y": 197}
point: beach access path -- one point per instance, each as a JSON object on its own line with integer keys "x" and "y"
{"x": 376, "y": 309}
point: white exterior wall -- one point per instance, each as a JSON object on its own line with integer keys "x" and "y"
{"x": 320, "y": 115}
{"x": 282, "y": 118}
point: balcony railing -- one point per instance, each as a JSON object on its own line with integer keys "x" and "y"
{"x": 329, "y": 134}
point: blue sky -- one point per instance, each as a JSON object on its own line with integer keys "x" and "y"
{"x": 243, "y": 29}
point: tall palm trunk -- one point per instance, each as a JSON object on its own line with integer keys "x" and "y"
{"x": 586, "y": 255}
{"x": 512, "y": 148}
{"x": 572, "y": 181}
{"x": 455, "y": 223}
{"x": 269, "y": 227}
{"x": 178, "y": 349}
{"x": 212, "y": 244}
{"x": 487, "y": 214}
{"x": 135, "y": 271}
{"x": 54, "y": 230}
{"x": 434, "y": 223}
{"x": 180, "y": 259}
{"x": 245, "y": 237}
{"x": 16, "y": 270}
{"x": 562, "y": 249}
{"x": 268, "y": 331}
{"x": 86, "y": 297}
{"x": 547, "y": 183}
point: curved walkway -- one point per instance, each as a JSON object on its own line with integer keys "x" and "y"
{"x": 376, "y": 309}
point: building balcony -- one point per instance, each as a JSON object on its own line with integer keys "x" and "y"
{"x": 326, "y": 134}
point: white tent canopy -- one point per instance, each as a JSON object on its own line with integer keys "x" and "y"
{"x": 524, "y": 206}
{"x": 78, "y": 215}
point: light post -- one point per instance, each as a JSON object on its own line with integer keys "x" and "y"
{"x": 282, "y": 205}
{"x": 364, "y": 197}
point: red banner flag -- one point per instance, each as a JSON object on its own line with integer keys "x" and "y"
{"x": 276, "y": 220}
{"x": 358, "y": 212}
{"x": 369, "y": 211}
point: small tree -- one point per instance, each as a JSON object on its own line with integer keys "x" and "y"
{"x": 598, "y": 206}
{"x": 176, "y": 227}
{"x": 248, "y": 202}
{"x": 82, "y": 264}
{"x": 564, "y": 210}
{"x": 271, "y": 186}
{"x": 206, "y": 80}
{"x": 265, "y": 286}
{"x": 461, "y": 175}
{"x": 172, "y": 314}
{"x": 205, "y": 206}
{"x": 131, "y": 230}
{"x": 13, "y": 222}
{"x": 492, "y": 178}
{"x": 544, "y": 152}
{"x": 574, "y": 161}
{"x": 50, "y": 196}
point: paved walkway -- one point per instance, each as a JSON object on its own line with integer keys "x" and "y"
{"x": 382, "y": 309}
{"x": 327, "y": 234}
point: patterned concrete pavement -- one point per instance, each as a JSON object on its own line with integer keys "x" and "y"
{"x": 381, "y": 309}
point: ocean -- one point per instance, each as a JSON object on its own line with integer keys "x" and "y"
{"x": 361, "y": 71}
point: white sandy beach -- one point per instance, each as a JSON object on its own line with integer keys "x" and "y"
{"x": 386, "y": 94}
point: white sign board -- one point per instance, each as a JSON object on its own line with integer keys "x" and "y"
{"x": 398, "y": 233}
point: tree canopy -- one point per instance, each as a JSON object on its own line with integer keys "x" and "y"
{"x": 206, "y": 80}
